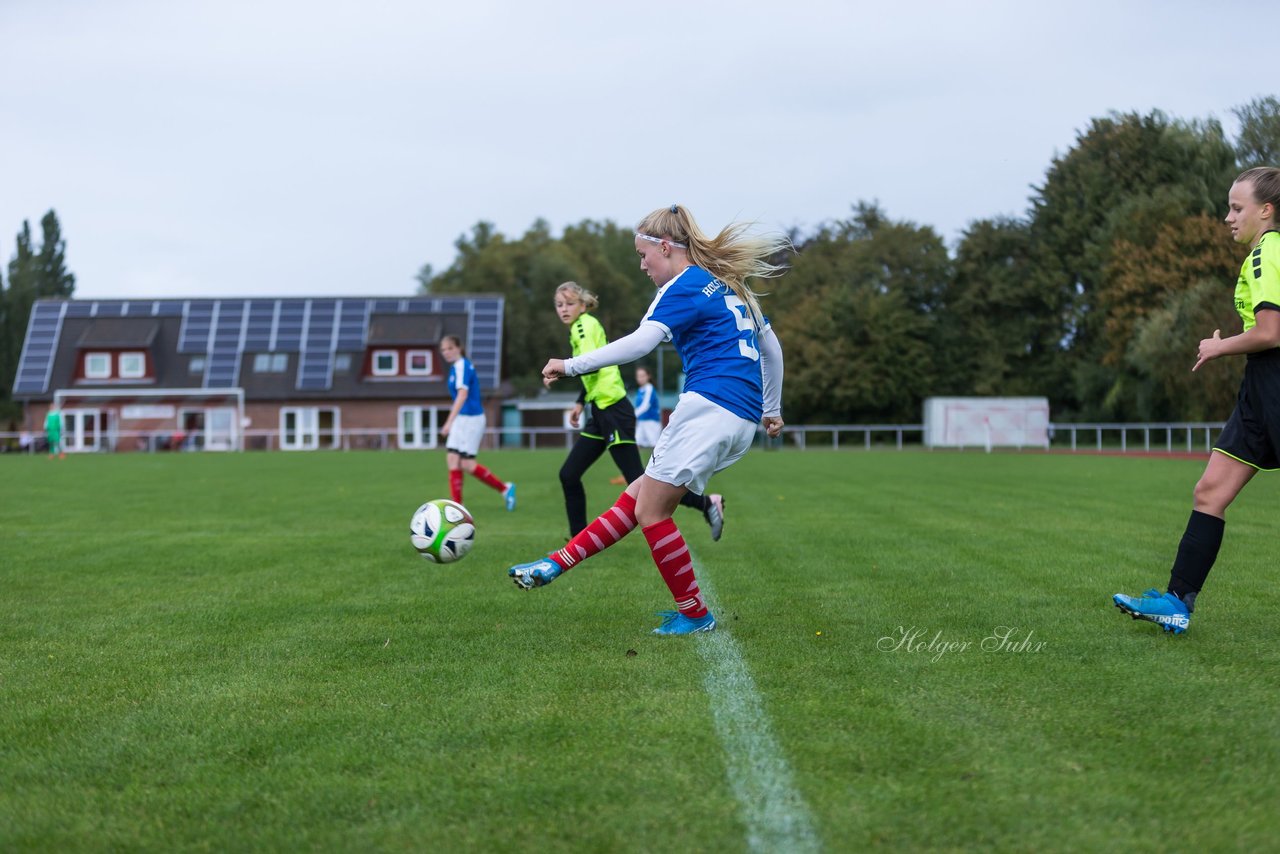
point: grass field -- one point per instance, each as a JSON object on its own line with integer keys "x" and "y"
{"x": 918, "y": 652}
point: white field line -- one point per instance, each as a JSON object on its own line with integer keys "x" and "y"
{"x": 776, "y": 816}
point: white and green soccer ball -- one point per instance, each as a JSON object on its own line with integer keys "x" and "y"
{"x": 442, "y": 531}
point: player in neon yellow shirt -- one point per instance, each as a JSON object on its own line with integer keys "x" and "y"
{"x": 1250, "y": 442}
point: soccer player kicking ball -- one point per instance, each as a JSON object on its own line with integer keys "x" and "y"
{"x": 1250, "y": 442}
{"x": 733, "y": 365}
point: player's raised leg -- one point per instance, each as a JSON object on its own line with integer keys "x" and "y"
{"x": 607, "y": 529}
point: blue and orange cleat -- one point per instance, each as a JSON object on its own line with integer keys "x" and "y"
{"x": 1164, "y": 609}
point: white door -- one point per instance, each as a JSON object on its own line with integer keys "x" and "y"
{"x": 299, "y": 430}
{"x": 82, "y": 429}
{"x": 419, "y": 426}
{"x": 220, "y": 429}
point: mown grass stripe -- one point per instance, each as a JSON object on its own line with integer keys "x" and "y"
{"x": 776, "y": 815}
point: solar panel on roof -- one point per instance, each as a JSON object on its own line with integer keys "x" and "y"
{"x": 485, "y": 337}
{"x": 196, "y": 324}
{"x": 289, "y": 326}
{"x": 353, "y": 321}
{"x": 36, "y": 360}
{"x": 315, "y": 364}
{"x": 108, "y": 308}
{"x": 257, "y": 336}
{"x": 222, "y": 368}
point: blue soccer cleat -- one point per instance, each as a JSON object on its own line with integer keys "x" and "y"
{"x": 1164, "y": 609}
{"x": 675, "y": 623}
{"x": 510, "y": 496}
{"x": 536, "y": 574}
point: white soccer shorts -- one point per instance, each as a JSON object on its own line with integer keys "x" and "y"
{"x": 700, "y": 439}
{"x": 465, "y": 435}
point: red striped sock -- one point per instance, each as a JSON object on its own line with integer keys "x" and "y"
{"x": 609, "y": 527}
{"x": 455, "y": 485}
{"x": 671, "y": 554}
{"x": 486, "y": 477}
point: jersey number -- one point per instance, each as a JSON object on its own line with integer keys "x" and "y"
{"x": 741, "y": 315}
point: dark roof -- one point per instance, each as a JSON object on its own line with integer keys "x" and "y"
{"x": 399, "y": 329}
{"x": 220, "y": 337}
{"x": 119, "y": 332}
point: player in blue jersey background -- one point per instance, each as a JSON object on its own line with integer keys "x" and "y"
{"x": 463, "y": 429}
{"x": 1250, "y": 441}
{"x": 733, "y": 367}
{"x": 648, "y": 410}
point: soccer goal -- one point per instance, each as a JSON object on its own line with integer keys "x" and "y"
{"x": 986, "y": 422}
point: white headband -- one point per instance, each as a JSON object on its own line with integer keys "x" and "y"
{"x": 652, "y": 239}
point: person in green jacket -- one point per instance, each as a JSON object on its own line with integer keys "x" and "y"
{"x": 53, "y": 431}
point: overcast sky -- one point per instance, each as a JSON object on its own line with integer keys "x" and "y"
{"x": 293, "y": 147}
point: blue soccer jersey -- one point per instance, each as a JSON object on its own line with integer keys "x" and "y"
{"x": 463, "y": 375}
{"x": 646, "y": 404}
{"x": 715, "y": 335}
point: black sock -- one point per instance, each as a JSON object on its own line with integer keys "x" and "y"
{"x": 696, "y": 501}
{"x": 1196, "y": 554}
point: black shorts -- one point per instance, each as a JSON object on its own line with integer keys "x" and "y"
{"x": 615, "y": 424}
{"x": 1252, "y": 434}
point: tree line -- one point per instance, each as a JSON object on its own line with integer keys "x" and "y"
{"x": 33, "y": 273}
{"x": 1097, "y": 298}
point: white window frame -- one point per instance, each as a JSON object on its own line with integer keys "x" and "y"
{"x": 419, "y": 372}
{"x": 100, "y": 358}
{"x": 270, "y": 363}
{"x": 128, "y": 360}
{"x": 395, "y": 363}
{"x": 418, "y": 427}
{"x": 306, "y": 433}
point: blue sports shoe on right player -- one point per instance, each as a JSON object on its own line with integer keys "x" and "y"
{"x": 1164, "y": 609}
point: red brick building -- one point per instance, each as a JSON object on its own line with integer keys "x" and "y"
{"x": 228, "y": 374}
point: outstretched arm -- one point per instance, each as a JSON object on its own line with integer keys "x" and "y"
{"x": 626, "y": 349}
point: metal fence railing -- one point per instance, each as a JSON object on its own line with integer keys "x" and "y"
{"x": 1188, "y": 437}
